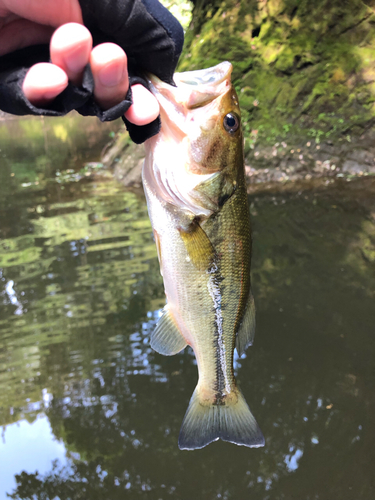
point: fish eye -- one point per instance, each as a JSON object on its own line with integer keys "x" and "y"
{"x": 231, "y": 123}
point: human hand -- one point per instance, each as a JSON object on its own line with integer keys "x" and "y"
{"x": 28, "y": 22}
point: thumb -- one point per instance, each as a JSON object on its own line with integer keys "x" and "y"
{"x": 44, "y": 11}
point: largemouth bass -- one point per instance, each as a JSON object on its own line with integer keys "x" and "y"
{"x": 193, "y": 177}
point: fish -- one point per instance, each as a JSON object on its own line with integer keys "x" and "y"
{"x": 194, "y": 182}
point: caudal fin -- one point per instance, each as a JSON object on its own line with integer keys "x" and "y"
{"x": 231, "y": 421}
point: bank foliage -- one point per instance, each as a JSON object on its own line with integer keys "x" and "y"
{"x": 302, "y": 68}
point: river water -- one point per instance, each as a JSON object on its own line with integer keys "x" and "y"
{"x": 89, "y": 411}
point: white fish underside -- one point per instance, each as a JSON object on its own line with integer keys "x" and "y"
{"x": 194, "y": 297}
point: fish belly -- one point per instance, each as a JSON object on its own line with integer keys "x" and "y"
{"x": 188, "y": 294}
{"x": 207, "y": 307}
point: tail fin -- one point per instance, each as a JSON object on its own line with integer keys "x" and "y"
{"x": 231, "y": 421}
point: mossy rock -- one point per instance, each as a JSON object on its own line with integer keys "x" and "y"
{"x": 300, "y": 67}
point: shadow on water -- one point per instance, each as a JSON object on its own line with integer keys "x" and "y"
{"x": 90, "y": 411}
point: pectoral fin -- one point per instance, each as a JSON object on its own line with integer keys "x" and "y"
{"x": 166, "y": 338}
{"x": 199, "y": 248}
{"x": 246, "y": 332}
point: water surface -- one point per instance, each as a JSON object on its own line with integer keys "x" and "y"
{"x": 88, "y": 410}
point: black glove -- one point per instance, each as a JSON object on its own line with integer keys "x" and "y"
{"x": 150, "y": 36}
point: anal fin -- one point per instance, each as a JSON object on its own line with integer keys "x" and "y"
{"x": 246, "y": 332}
{"x": 166, "y": 339}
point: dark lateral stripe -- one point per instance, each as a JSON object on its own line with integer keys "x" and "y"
{"x": 222, "y": 383}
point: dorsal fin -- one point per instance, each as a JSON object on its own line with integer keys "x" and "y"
{"x": 166, "y": 339}
{"x": 246, "y": 332}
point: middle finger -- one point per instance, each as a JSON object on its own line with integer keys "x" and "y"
{"x": 109, "y": 67}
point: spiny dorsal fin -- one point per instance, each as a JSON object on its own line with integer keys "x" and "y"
{"x": 166, "y": 338}
{"x": 246, "y": 332}
{"x": 198, "y": 246}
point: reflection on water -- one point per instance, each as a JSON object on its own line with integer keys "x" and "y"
{"x": 31, "y": 447}
{"x": 90, "y": 411}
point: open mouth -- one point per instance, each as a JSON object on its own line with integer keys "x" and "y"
{"x": 193, "y": 90}
{"x": 210, "y": 76}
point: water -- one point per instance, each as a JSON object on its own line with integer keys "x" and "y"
{"x": 89, "y": 411}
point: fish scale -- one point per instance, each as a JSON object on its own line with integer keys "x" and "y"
{"x": 194, "y": 182}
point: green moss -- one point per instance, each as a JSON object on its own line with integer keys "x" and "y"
{"x": 300, "y": 67}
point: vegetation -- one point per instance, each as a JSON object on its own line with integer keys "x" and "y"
{"x": 181, "y": 9}
{"x": 301, "y": 68}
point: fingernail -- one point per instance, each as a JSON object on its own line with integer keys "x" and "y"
{"x": 111, "y": 74}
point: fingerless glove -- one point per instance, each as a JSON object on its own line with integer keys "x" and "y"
{"x": 151, "y": 37}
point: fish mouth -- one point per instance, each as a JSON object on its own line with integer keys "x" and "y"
{"x": 210, "y": 76}
{"x": 194, "y": 89}
{"x": 189, "y": 111}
